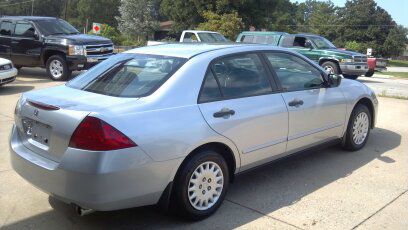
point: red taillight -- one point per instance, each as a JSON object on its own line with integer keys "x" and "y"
{"x": 97, "y": 135}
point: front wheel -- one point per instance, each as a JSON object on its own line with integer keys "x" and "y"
{"x": 353, "y": 77}
{"x": 369, "y": 73}
{"x": 331, "y": 67}
{"x": 57, "y": 68}
{"x": 201, "y": 185}
{"x": 358, "y": 128}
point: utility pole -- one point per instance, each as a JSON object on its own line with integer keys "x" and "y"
{"x": 66, "y": 9}
{"x": 32, "y": 7}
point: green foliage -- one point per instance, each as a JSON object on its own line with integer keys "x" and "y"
{"x": 230, "y": 25}
{"x": 397, "y": 63}
{"x": 137, "y": 17}
{"x": 354, "y": 46}
{"x": 395, "y": 42}
{"x": 100, "y": 11}
{"x": 112, "y": 33}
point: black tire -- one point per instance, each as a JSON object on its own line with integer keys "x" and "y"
{"x": 369, "y": 73}
{"x": 352, "y": 77}
{"x": 181, "y": 198}
{"x": 61, "y": 74}
{"x": 332, "y": 66}
{"x": 349, "y": 143}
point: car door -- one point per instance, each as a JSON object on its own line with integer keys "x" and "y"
{"x": 316, "y": 113}
{"x": 6, "y": 29}
{"x": 25, "y": 45}
{"x": 238, "y": 100}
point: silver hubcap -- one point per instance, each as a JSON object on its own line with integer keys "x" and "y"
{"x": 360, "y": 128}
{"x": 56, "y": 68}
{"x": 329, "y": 69}
{"x": 205, "y": 185}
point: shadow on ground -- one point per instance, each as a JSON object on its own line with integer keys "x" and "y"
{"x": 276, "y": 185}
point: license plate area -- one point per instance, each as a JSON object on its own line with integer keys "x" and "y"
{"x": 37, "y": 132}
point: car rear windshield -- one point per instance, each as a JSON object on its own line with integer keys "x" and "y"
{"x": 128, "y": 75}
{"x": 212, "y": 37}
{"x": 55, "y": 27}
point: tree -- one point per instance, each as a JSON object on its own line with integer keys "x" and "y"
{"x": 137, "y": 18}
{"x": 318, "y": 18}
{"x": 396, "y": 41}
{"x": 230, "y": 25}
{"x": 100, "y": 11}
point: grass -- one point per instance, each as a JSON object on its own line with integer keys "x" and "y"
{"x": 397, "y": 63}
{"x": 394, "y": 74}
{"x": 384, "y": 94}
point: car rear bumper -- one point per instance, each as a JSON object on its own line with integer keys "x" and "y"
{"x": 100, "y": 181}
{"x": 85, "y": 62}
{"x": 8, "y": 76}
{"x": 354, "y": 68}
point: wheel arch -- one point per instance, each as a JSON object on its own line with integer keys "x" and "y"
{"x": 330, "y": 59}
{"x": 165, "y": 201}
{"x": 48, "y": 53}
{"x": 367, "y": 102}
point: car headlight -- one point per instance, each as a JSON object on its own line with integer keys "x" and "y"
{"x": 346, "y": 60}
{"x": 76, "y": 50}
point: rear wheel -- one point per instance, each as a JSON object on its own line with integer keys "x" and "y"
{"x": 353, "y": 77}
{"x": 201, "y": 185}
{"x": 358, "y": 128}
{"x": 369, "y": 73}
{"x": 57, "y": 68}
{"x": 331, "y": 67}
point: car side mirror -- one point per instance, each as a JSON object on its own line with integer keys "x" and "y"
{"x": 334, "y": 80}
{"x": 308, "y": 44}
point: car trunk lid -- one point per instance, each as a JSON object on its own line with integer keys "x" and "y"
{"x": 47, "y": 118}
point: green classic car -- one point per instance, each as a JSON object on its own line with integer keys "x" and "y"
{"x": 317, "y": 48}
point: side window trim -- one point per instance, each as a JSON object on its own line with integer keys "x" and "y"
{"x": 275, "y": 76}
{"x": 271, "y": 79}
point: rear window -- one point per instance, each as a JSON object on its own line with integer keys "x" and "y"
{"x": 128, "y": 75}
{"x": 6, "y": 28}
{"x": 261, "y": 39}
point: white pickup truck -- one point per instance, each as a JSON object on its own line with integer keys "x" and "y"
{"x": 197, "y": 36}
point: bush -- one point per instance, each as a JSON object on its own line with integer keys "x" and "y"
{"x": 230, "y": 25}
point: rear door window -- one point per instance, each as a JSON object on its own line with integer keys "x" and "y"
{"x": 247, "y": 38}
{"x": 6, "y": 28}
{"x": 210, "y": 90}
{"x": 136, "y": 75}
{"x": 24, "y": 30}
{"x": 241, "y": 75}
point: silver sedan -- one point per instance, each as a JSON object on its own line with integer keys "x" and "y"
{"x": 172, "y": 124}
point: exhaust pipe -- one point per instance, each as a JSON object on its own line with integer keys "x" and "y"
{"x": 83, "y": 211}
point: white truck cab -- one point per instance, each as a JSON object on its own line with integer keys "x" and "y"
{"x": 202, "y": 36}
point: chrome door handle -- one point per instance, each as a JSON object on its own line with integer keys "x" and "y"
{"x": 224, "y": 112}
{"x": 296, "y": 102}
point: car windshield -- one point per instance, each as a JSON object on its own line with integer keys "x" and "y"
{"x": 322, "y": 43}
{"x": 55, "y": 27}
{"x": 212, "y": 37}
{"x": 128, "y": 75}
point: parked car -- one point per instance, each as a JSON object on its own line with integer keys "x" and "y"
{"x": 319, "y": 49}
{"x": 51, "y": 43}
{"x": 172, "y": 124}
{"x": 196, "y": 36}
{"x": 7, "y": 71}
{"x": 375, "y": 64}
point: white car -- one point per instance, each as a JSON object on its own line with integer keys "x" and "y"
{"x": 7, "y": 71}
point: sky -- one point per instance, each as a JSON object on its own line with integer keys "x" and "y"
{"x": 398, "y": 9}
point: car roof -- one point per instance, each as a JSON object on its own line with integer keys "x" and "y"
{"x": 262, "y": 32}
{"x": 306, "y": 34}
{"x": 189, "y": 50}
{"x": 29, "y": 18}
{"x": 200, "y": 31}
